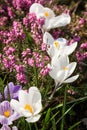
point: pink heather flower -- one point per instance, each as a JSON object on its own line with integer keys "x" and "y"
{"x": 9, "y": 50}
{"x": 44, "y": 71}
{"x": 41, "y": 22}
{"x": 39, "y": 64}
{"x": 56, "y": 33}
{"x": 31, "y": 61}
{"x": 10, "y": 12}
{"x": 83, "y": 45}
{"x": 19, "y": 68}
{"x": 46, "y": 58}
{"x": 79, "y": 56}
{"x": 0, "y": 58}
{"x": 21, "y": 78}
{"x": 26, "y": 53}
{"x": 72, "y": 92}
{"x": 9, "y": 62}
{"x": 43, "y": 47}
{"x": 26, "y": 22}
{"x": 36, "y": 25}
{"x": 32, "y": 17}
{"x": 3, "y": 21}
{"x": 81, "y": 21}
{"x": 84, "y": 55}
{"x": 76, "y": 38}
{"x": 25, "y": 61}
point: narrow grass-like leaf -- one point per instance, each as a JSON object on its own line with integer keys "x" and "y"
{"x": 53, "y": 124}
{"x": 36, "y": 128}
{"x": 77, "y": 101}
{"x": 65, "y": 113}
{"x": 73, "y": 126}
{"x": 47, "y": 119}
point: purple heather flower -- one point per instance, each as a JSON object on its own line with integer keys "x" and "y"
{"x": 12, "y": 90}
{"x": 7, "y": 115}
{"x": 77, "y": 38}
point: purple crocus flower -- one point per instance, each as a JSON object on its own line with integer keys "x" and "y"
{"x": 7, "y": 115}
{"x": 12, "y": 91}
{"x": 6, "y": 127}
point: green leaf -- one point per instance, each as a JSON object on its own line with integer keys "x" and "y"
{"x": 73, "y": 126}
{"x": 53, "y": 124}
{"x": 47, "y": 119}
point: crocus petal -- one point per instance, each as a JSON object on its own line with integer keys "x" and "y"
{"x": 9, "y": 89}
{"x": 19, "y": 109}
{"x": 71, "y": 79}
{"x": 34, "y": 95}
{"x": 15, "y": 105}
{"x": 53, "y": 73}
{"x": 23, "y": 97}
{"x": 62, "y": 41}
{"x": 52, "y": 51}
{"x": 29, "y": 103}
{"x": 49, "y": 11}
{"x": 25, "y": 113}
{"x": 59, "y": 21}
{"x": 37, "y": 108}
{"x": 14, "y": 128}
{"x": 47, "y": 38}
{"x": 33, "y": 118}
{"x": 69, "y": 49}
{"x": 37, "y": 9}
{"x": 61, "y": 76}
{"x": 3, "y": 120}
{"x": 14, "y": 116}
{"x": 12, "y": 90}
{"x": 17, "y": 87}
{"x": 71, "y": 67}
{"x": 63, "y": 61}
{"x": 5, "y": 127}
{"x": 4, "y": 106}
{"x": 60, "y": 62}
{"x": 55, "y": 62}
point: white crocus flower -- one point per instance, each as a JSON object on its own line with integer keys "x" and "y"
{"x": 51, "y": 21}
{"x": 61, "y": 70}
{"x": 59, "y": 46}
{"x": 29, "y": 104}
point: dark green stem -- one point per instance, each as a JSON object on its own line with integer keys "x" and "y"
{"x": 63, "y": 110}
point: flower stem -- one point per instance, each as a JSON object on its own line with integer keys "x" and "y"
{"x": 63, "y": 110}
{"x": 56, "y": 88}
{"x": 51, "y": 96}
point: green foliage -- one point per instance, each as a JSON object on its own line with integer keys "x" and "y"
{"x": 47, "y": 119}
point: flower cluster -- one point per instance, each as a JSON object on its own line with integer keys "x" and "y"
{"x": 21, "y": 104}
{"x": 32, "y": 44}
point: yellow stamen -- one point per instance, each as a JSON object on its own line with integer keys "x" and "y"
{"x": 56, "y": 44}
{"x": 29, "y": 108}
{"x": 65, "y": 68}
{"x": 7, "y": 113}
{"x": 46, "y": 14}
